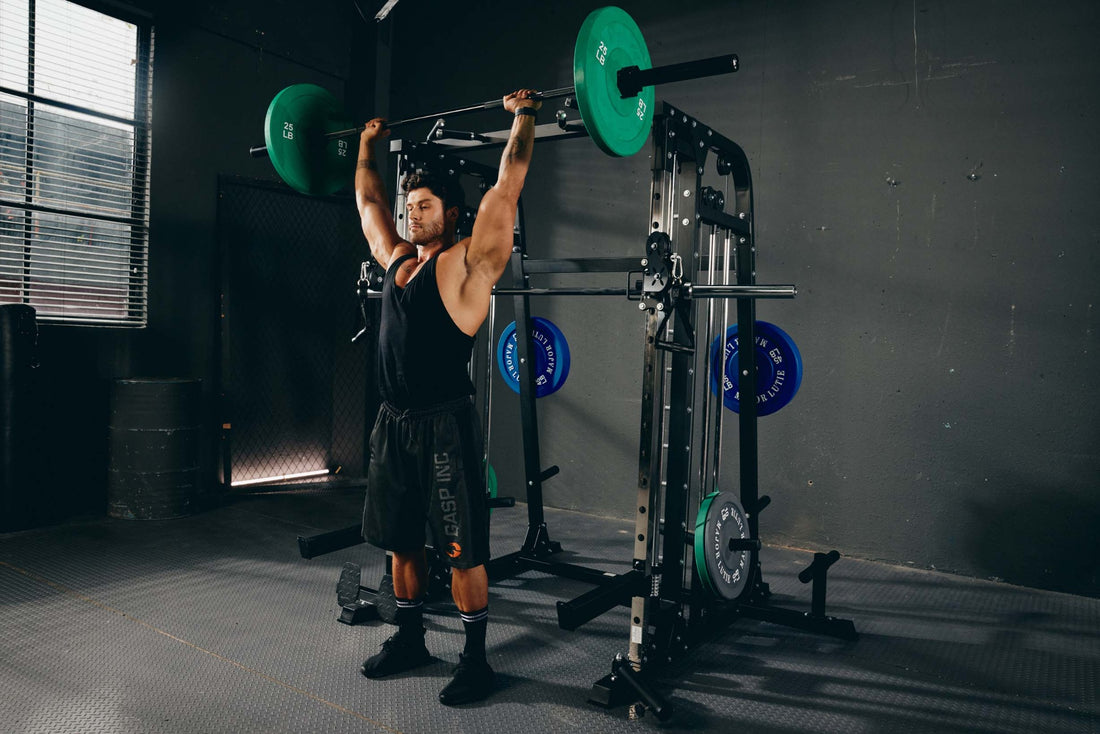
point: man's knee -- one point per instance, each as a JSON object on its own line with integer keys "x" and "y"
{"x": 409, "y": 558}
{"x": 470, "y": 575}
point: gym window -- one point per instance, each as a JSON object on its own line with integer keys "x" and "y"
{"x": 75, "y": 121}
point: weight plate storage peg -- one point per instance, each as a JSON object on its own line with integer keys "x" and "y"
{"x": 610, "y": 40}
{"x": 778, "y": 368}
{"x": 298, "y": 119}
{"x": 723, "y": 567}
{"x": 551, "y": 355}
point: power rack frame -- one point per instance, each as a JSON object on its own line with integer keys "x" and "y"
{"x": 688, "y": 258}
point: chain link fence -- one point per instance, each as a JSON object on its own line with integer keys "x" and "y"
{"x": 295, "y": 386}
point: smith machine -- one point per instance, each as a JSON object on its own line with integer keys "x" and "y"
{"x": 696, "y": 565}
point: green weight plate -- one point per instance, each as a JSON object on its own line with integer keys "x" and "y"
{"x": 700, "y": 542}
{"x": 297, "y": 120}
{"x": 610, "y": 40}
{"x": 490, "y": 482}
{"x": 723, "y": 571}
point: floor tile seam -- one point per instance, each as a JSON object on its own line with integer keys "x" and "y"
{"x": 197, "y": 648}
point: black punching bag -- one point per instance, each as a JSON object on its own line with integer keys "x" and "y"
{"x": 18, "y": 358}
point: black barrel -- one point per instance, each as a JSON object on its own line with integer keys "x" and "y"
{"x": 154, "y": 448}
{"x": 19, "y": 415}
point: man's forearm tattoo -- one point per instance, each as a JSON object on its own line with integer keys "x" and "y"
{"x": 516, "y": 149}
{"x": 367, "y": 164}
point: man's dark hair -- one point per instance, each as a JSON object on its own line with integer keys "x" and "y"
{"x": 447, "y": 188}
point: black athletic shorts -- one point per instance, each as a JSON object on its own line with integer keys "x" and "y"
{"x": 426, "y": 464}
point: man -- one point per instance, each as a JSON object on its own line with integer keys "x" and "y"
{"x": 426, "y": 446}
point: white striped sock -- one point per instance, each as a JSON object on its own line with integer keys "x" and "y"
{"x": 475, "y": 616}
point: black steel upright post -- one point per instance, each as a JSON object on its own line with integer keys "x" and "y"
{"x": 678, "y": 490}
{"x": 537, "y": 541}
{"x": 746, "y": 374}
{"x": 748, "y": 433}
{"x": 651, "y": 455}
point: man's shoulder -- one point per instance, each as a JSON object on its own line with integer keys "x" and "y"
{"x": 454, "y": 257}
{"x": 400, "y": 250}
{"x": 454, "y": 268}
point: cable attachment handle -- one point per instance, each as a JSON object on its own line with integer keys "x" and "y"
{"x": 677, "y": 268}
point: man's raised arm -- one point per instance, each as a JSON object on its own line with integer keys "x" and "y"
{"x": 370, "y": 196}
{"x": 491, "y": 243}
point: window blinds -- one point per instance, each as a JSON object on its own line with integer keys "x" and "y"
{"x": 75, "y": 104}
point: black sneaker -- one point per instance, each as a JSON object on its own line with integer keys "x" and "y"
{"x": 473, "y": 681}
{"x": 397, "y": 656}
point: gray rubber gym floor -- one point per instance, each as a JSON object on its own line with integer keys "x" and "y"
{"x": 213, "y": 623}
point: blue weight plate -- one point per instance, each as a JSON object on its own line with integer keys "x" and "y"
{"x": 558, "y": 344}
{"x": 551, "y": 355}
{"x": 778, "y": 368}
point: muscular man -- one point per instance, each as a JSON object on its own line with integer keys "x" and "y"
{"x": 426, "y": 446}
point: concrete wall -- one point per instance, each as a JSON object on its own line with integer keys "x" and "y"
{"x": 925, "y": 172}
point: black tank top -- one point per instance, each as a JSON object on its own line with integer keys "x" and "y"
{"x": 423, "y": 355}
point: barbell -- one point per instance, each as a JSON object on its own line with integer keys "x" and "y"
{"x": 306, "y": 130}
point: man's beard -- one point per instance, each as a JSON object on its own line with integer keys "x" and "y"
{"x": 427, "y": 233}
